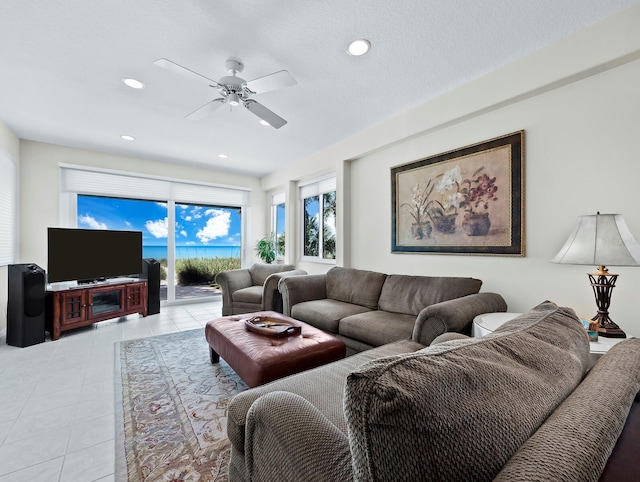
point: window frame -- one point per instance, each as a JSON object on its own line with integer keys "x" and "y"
{"x": 317, "y": 187}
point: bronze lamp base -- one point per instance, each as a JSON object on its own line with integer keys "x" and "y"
{"x": 603, "y": 283}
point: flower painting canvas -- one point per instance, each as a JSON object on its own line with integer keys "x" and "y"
{"x": 467, "y": 201}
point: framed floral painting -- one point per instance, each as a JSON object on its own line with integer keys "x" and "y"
{"x": 466, "y": 201}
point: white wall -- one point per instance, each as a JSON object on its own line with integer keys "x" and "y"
{"x": 40, "y": 189}
{"x": 9, "y": 142}
{"x": 579, "y": 104}
{"x": 10, "y": 146}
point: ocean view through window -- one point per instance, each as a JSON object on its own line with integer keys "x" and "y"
{"x": 207, "y": 239}
{"x": 160, "y": 252}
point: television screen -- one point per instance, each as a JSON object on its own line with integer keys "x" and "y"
{"x": 92, "y": 254}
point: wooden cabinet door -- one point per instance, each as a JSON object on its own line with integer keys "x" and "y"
{"x": 106, "y": 302}
{"x": 73, "y": 307}
{"x": 136, "y": 297}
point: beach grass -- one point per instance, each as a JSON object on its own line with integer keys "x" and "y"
{"x": 199, "y": 271}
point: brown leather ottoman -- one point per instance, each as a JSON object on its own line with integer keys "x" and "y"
{"x": 259, "y": 359}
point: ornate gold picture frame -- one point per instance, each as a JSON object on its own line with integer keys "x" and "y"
{"x": 466, "y": 201}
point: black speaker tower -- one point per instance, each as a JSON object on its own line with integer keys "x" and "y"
{"x": 151, "y": 272}
{"x": 25, "y": 305}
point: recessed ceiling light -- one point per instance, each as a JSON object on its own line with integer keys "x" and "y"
{"x": 264, "y": 123}
{"x": 133, "y": 83}
{"x": 222, "y": 156}
{"x": 127, "y": 138}
{"x": 359, "y": 47}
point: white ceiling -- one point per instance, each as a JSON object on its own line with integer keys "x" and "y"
{"x": 62, "y": 61}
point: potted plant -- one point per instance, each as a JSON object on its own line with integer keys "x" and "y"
{"x": 266, "y": 248}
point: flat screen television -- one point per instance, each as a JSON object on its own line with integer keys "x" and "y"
{"x": 87, "y": 255}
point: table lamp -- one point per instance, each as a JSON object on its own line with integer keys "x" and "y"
{"x": 601, "y": 240}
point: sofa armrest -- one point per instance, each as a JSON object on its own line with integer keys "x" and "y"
{"x": 297, "y": 289}
{"x": 271, "y": 298}
{"x": 576, "y": 440}
{"x": 449, "y": 336}
{"x": 230, "y": 281}
{"x": 454, "y": 315}
{"x": 289, "y": 440}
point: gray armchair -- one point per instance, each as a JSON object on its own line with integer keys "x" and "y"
{"x": 253, "y": 289}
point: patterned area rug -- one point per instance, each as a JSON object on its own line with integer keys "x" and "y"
{"x": 171, "y": 410}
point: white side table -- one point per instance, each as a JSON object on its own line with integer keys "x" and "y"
{"x": 488, "y": 322}
{"x": 600, "y": 347}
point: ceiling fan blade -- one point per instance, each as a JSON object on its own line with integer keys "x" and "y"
{"x": 277, "y": 80}
{"x": 265, "y": 114}
{"x": 206, "y": 109}
{"x": 179, "y": 69}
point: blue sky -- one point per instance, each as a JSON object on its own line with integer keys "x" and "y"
{"x": 280, "y": 219}
{"x": 195, "y": 225}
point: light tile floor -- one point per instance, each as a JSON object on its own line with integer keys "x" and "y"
{"x": 57, "y": 405}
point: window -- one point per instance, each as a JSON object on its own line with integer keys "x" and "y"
{"x": 329, "y": 225}
{"x": 208, "y": 239}
{"x": 8, "y": 228}
{"x": 319, "y": 219}
{"x": 193, "y": 229}
{"x": 311, "y": 231}
{"x": 149, "y": 217}
{"x": 278, "y": 222}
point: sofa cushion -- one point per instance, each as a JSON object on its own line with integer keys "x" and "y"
{"x": 252, "y": 294}
{"x": 410, "y": 294}
{"x": 355, "y": 286}
{"x": 322, "y": 386}
{"x": 261, "y": 271}
{"x": 377, "y": 327}
{"x": 325, "y": 314}
{"x": 459, "y": 410}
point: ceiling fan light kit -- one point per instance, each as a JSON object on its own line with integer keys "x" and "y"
{"x": 235, "y": 90}
{"x": 233, "y": 99}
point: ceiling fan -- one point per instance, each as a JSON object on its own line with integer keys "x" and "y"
{"x": 235, "y": 90}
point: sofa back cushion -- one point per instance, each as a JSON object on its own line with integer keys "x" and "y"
{"x": 261, "y": 271}
{"x": 459, "y": 410}
{"x": 558, "y": 450}
{"x": 410, "y": 294}
{"x": 355, "y": 286}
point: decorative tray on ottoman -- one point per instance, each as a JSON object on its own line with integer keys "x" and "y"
{"x": 268, "y": 326}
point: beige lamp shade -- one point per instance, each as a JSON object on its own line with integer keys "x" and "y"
{"x": 600, "y": 240}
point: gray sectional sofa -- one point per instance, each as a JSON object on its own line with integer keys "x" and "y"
{"x": 513, "y": 406}
{"x": 366, "y": 309}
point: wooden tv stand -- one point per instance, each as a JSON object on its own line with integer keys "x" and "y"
{"x": 84, "y": 305}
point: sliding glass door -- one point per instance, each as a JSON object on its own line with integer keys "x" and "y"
{"x": 191, "y": 242}
{"x": 207, "y": 241}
